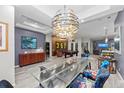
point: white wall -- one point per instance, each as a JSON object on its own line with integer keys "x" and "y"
{"x": 91, "y": 46}
{"x": 69, "y": 44}
{"x": 79, "y": 41}
{"x": 49, "y": 39}
{"x": 7, "y": 70}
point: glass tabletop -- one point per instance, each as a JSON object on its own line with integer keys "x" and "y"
{"x": 61, "y": 74}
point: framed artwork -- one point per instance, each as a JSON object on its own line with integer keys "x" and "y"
{"x": 57, "y": 45}
{"x": 3, "y": 36}
{"x": 61, "y": 45}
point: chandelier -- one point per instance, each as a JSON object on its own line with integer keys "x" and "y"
{"x": 65, "y": 23}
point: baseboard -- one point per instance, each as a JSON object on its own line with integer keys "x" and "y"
{"x": 119, "y": 75}
{"x": 16, "y": 66}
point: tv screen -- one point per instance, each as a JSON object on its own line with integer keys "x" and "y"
{"x": 103, "y": 45}
{"x": 28, "y": 42}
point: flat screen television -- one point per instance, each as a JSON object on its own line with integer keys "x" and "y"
{"x": 28, "y": 42}
{"x": 103, "y": 45}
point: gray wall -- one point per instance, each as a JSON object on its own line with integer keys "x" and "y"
{"x": 120, "y": 58}
{"x": 23, "y": 32}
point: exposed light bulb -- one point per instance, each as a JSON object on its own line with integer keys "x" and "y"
{"x": 82, "y": 21}
{"x": 106, "y": 40}
{"x": 105, "y": 28}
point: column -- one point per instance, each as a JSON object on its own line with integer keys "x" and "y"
{"x": 79, "y": 47}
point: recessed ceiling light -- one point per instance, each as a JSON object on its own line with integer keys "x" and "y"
{"x": 82, "y": 21}
{"x": 105, "y": 28}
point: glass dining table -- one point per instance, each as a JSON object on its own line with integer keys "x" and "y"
{"x": 60, "y": 75}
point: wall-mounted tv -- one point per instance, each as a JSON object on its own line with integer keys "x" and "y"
{"x": 28, "y": 42}
{"x": 103, "y": 45}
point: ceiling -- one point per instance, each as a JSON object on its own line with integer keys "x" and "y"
{"x": 24, "y": 12}
{"x": 95, "y": 28}
{"x": 93, "y": 18}
{"x": 51, "y": 10}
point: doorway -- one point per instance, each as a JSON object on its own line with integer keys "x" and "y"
{"x": 47, "y": 49}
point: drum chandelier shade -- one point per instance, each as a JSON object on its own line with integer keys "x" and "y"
{"x": 65, "y": 23}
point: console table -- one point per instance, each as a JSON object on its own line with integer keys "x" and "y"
{"x": 31, "y": 58}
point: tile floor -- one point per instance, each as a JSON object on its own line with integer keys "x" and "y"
{"x": 24, "y": 79}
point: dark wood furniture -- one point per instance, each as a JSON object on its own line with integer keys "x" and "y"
{"x": 70, "y": 53}
{"x": 59, "y": 53}
{"x": 47, "y": 49}
{"x": 31, "y": 58}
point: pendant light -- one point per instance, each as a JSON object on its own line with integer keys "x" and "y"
{"x": 106, "y": 37}
{"x": 65, "y": 23}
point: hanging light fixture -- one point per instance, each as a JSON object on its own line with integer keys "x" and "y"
{"x": 106, "y": 38}
{"x": 65, "y": 23}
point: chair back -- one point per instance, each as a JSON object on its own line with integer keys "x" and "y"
{"x": 101, "y": 77}
{"x": 5, "y": 84}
